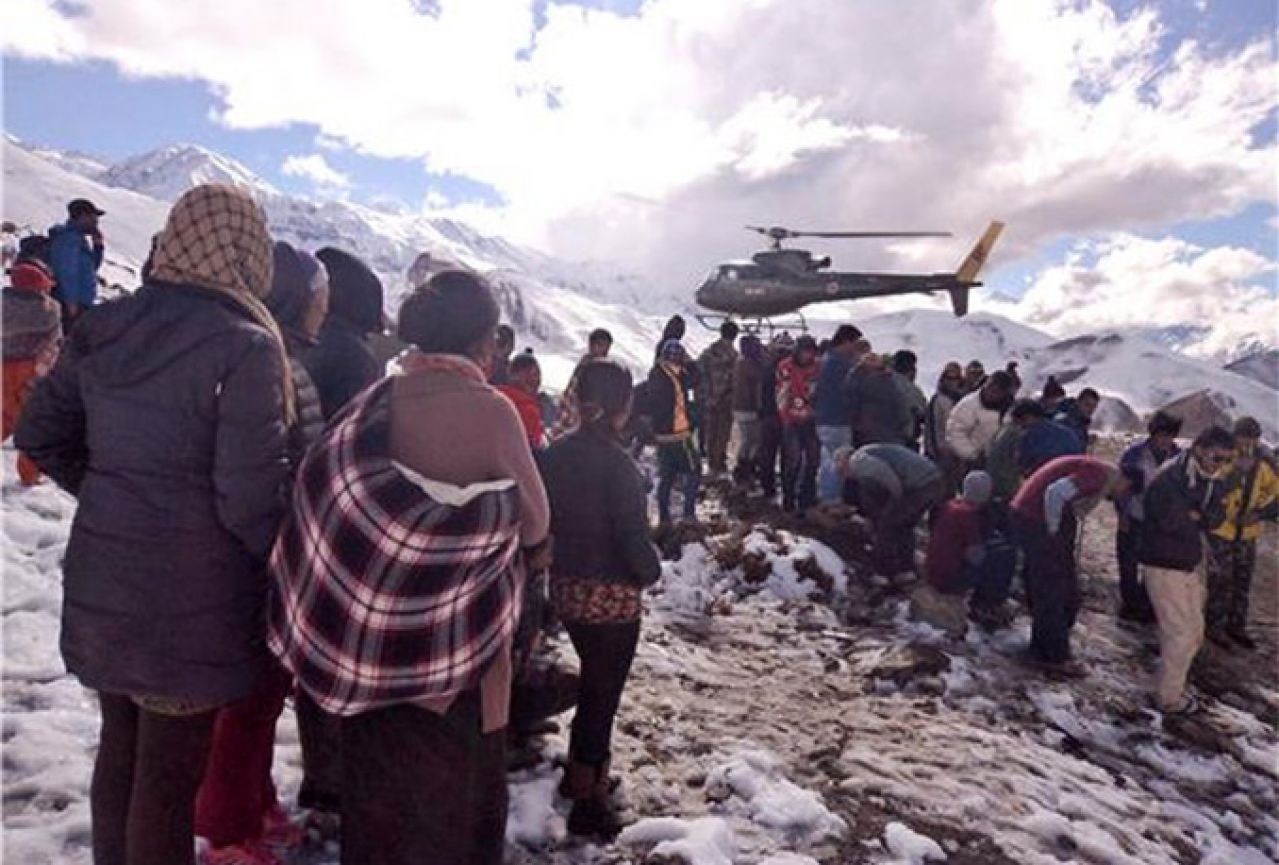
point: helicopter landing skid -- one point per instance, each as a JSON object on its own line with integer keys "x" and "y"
{"x": 759, "y": 326}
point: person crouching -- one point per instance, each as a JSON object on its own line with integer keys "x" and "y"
{"x": 970, "y": 550}
{"x": 894, "y": 487}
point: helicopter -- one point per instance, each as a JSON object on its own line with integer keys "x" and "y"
{"x": 780, "y": 281}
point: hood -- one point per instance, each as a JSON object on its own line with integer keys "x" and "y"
{"x": 355, "y": 292}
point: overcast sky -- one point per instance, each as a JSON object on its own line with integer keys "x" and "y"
{"x": 1130, "y": 147}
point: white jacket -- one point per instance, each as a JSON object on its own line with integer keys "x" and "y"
{"x": 971, "y": 427}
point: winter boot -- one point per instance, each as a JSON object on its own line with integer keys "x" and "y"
{"x": 593, "y": 814}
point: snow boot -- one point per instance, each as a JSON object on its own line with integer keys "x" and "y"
{"x": 593, "y": 814}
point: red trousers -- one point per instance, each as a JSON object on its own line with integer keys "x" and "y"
{"x": 237, "y": 792}
{"x": 19, "y": 376}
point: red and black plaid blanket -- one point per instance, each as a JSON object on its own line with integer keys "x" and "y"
{"x": 389, "y": 588}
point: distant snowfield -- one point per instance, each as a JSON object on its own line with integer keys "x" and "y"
{"x": 761, "y": 728}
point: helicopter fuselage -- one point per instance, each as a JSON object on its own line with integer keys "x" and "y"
{"x": 751, "y": 291}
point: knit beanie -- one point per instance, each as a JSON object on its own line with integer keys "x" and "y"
{"x": 978, "y": 487}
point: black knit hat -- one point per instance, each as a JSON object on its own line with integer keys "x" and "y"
{"x": 450, "y": 313}
{"x": 355, "y": 292}
{"x": 292, "y": 285}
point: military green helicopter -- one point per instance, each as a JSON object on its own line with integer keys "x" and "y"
{"x": 781, "y": 281}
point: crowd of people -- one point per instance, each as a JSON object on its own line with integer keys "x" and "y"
{"x": 264, "y": 513}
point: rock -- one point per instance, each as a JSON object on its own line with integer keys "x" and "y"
{"x": 948, "y": 613}
{"x": 904, "y": 664}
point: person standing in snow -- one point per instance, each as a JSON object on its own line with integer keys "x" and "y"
{"x": 603, "y": 561}
{"x": 950, "y": 390}
{"x": 905, "y": 369}
{"x": 879, "y": 409}
{"x": 167, "y": 417}
{"x": 502, "y": 361}
{"x": 342, "y": 364}
{"x": 524, "y": 384}
{"x": 1140, "y": 462}
{"x": 669, "y": 399}
{"x": 1252, "y": 497}
{"x": 237, "y": 808}
{"x": 32, "y": 324}
{"x": 1182, "y": 505}
{"x": 746, "y": 392}
{"x": 801, "y": 451}
{"x": 1045, "y": 513}
{"x": 893, "y": 487}
{"x": 1052, "y": 395}
{"x": 831, "y": 402}
{"x": 1076, "y": 415}
{"x": 427, "y": 474}
{"x": 976, "y": 418}
{"x": 717, "y": 365}
{"x": 76, "y": 250}
{"x": 780, "y": 348}
{"x": 8, "y": 245}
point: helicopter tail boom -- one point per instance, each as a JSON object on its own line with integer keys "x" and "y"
{"x": 966, "y": 276}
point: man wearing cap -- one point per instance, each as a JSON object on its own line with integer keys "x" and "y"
{"x": 75, "y": 253}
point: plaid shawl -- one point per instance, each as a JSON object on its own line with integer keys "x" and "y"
{"x": 389, "y": 588}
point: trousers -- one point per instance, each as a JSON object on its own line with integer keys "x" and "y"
{"x": 1178, "y": 598}
{"x": 605, "y": 652}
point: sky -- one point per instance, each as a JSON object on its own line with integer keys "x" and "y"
{"x": 1130, "y": 146}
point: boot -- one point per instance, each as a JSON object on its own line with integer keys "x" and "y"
{"x": 593, "y": 814}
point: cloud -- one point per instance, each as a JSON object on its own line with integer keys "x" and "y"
{"x": 1064, "y": 119}
{"x": 316, "y": 169}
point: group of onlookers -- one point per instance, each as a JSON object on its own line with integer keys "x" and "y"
{"x": 261, "y": 512}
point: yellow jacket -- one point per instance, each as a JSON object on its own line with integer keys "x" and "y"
{"x": 1264, "y": 495}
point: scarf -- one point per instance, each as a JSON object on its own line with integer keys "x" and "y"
{"x": 216, "y": 238}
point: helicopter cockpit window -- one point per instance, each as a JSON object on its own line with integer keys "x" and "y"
{"x": 730, "y": 273}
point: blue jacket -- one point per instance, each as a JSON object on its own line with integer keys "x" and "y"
{"x": 831, "y": 401}
{"x": 1046, "y": 441}
{"x": 75, "y": 262}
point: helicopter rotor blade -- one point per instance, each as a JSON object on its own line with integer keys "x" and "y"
{"x": 869, "y": 234}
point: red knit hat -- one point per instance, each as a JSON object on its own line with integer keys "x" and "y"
{"x": 31, "y": 276}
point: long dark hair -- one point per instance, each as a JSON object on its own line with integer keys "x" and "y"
{"x": 603, "y": 393}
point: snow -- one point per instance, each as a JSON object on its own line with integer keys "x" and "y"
{"x": 704, "y": 841}
{"x": 757, "y": 789}
{"x": 910, "y": 847}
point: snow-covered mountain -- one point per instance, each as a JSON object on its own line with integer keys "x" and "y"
{"x": 1262, "y": 366}
{"x": 170, "y": 171}
{"x": 553, "y": 303}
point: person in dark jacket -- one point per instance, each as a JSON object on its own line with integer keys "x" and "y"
{"x": 1052, "y": 395}
{"x": 76, "y": 251}
{"x": 603, "y": 560}
{"x": 166, "y": 416}
{"x": 746, "y": 395}
{"x": 669, "y": 401}
{"x": 894, "y": 487}
{"x": 831, "y": 403}
{"x": 1182, "y": 504}
{"x": 1044, "y": 441}
{"x": 905, "y": 368}
{"x": 1003, "y": 459}
{"x": 780, "y": 348}
{"x": 237, "y": 808}
{"x": 1076, "y": 415}
{"x": 879, "y": 410}
{"x": 1045, "y": 516}
{"x": 341, "y": 363}
{"x": 1140, "y": 462}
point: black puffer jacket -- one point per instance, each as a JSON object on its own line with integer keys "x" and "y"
{"x": 163, "y": 416}
{"x": 341, "y": 365}
{"x": 310, "y": 419}
{"x": 880, "y": 413}
{"x": 599, "y": 513}
{"x": 1169, "y": 537}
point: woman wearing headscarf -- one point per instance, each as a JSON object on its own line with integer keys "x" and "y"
{"x": 167, "y": 416}
{"x": 237, "y": 809}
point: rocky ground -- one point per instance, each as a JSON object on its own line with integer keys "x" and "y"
{"x": 785, "y": 710}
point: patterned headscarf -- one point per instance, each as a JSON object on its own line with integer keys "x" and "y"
{"x": 216, "y": 238}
